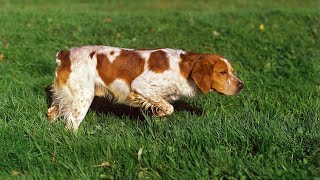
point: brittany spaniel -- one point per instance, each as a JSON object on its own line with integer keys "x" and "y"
{"x": 139, "y": 78}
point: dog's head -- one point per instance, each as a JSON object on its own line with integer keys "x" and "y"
{"x": 213, "y": 72}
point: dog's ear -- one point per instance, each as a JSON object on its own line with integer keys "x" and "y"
{"x": 201, "y": 74}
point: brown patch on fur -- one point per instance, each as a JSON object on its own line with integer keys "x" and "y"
{"x": 64, "y": 69}
{"x": 111, "y": 53}
{"x": 158, "y": 61}
{"x": 201, "y": 74}
{"x": 92, "y": 54}
{"x": 127, "y": 66}
{"x": 187, "y": 62}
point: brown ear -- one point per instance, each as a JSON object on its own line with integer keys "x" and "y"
{"x": 201, "y": 74}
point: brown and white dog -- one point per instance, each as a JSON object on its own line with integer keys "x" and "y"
{"x": 139, "y": 78}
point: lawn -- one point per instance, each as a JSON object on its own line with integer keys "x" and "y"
{"x": 270, "y": 131}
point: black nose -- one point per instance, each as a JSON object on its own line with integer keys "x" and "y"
{"x": 240, "y": 86}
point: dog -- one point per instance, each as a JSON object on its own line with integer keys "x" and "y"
{"x": 142, "y": 78}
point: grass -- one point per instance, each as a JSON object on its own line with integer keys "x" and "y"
{"x": 270, "y": 131}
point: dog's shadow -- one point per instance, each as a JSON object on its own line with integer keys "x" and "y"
{"x": 103, "y": 105}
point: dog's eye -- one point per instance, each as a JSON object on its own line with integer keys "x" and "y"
{"x": 223, "y": 72}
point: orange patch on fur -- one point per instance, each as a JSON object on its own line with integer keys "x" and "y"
{"x": 187, "y": 62}
{"x": 127, "y": 66}
{"x": 64, "y": 69}
{"x": 158, "y": 61}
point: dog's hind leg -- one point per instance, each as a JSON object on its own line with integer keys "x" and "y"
{"x": 74, "y": 87}
{"x": 71, "y": 102}
{"x": 76, "y": 105}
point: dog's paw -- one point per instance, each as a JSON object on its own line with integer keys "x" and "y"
{"x": 53, "y": 113}
{"x": 162, "y": 110}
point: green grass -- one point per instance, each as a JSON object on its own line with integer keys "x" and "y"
{"x": 270, "y": 131}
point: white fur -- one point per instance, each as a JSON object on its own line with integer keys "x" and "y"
{"x": 145, "y": 55}
{"x": 231, "y": 76}
{"x": 120, "y": 90}
{"x": 169, "y": 85}
{"x": 112, "y": 57}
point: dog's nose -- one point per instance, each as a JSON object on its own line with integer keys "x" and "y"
{"x": 240, "y": 85}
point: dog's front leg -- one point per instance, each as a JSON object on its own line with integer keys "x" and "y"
{"x": 157, "y": 104}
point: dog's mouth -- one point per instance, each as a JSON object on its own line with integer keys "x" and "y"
{"x": 214, "y": 90}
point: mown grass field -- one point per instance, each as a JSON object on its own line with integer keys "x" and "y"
{"x": 270, "y": 131}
